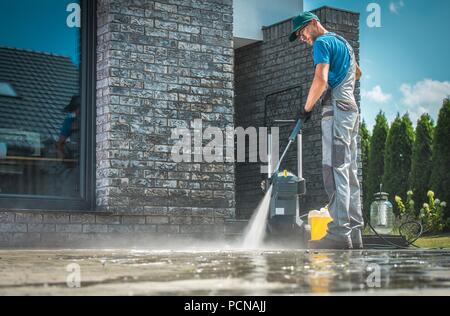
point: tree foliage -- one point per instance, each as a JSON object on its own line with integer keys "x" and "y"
{"x": 422, "y": 159}
{"x": 375, "y": 167}
{"x": 440, "y": 177}
{"x": 397, "y": 160}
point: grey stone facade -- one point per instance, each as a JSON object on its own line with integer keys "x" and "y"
{"x": 160, "y": 65}
{"x": 73, "y": 229}
{"x": 272, "y": 82}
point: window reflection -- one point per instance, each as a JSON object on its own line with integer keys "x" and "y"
{"x": 39, "y": 99}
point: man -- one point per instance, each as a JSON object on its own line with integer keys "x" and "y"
{"x": 336, "y": 72}
{"x": 70, "y": 126}
{"x": 70, "y": 152}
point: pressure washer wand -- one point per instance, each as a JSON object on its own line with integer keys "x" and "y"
{"x": 292, "y": 138}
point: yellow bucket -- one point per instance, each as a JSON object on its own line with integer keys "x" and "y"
{"x": 318, "y": 221}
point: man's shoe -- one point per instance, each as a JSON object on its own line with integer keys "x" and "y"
{"x": 330, "y": 244}
{"x": 357, "y": 241}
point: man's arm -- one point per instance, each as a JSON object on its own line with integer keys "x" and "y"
{"x": 60, "y": 147}
{"x": 358, "y": 72}
{"x": 318, "y": 87}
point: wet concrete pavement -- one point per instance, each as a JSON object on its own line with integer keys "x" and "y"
{"x": 225, "y": 272}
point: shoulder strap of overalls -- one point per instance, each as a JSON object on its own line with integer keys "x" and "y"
{"x": 349, "y": 47}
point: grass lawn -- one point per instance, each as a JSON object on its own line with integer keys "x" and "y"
{"x": 439, "y": 241}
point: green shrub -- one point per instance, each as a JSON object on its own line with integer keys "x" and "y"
{"x": 407, "y": 221}
{"x": 406, "y": 210}
{"x": 432, "y": 215}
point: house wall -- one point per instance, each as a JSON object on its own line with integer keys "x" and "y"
{"x": 160, "y": 65}
{"x": 266, "y": 69}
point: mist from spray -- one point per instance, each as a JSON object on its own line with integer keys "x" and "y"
{"x": 256, "y": 229}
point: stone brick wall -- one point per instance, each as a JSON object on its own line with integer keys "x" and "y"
{"x": 74, "y": 229}
{"x": 160, "y": 65}
{"x": 276, "y": 74}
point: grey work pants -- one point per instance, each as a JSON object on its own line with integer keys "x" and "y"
{"x": 340, "y": 128}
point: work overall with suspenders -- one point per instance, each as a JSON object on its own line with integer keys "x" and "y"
{"x": 340, "y": 128}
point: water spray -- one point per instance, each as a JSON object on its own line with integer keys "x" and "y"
{"x": 278, "y": 213}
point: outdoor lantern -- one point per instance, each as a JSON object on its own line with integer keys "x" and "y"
{"x": 382, "y": 214}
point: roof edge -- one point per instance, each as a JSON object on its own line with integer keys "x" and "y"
{"x": 320, "y": 8}
{"x": 25, "y": 50}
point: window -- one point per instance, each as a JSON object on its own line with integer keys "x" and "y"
{"x": 47, "y": 105}
{"x": 6, "y": 90}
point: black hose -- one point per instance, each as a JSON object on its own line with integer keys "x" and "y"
{"x": 409, "y": 242}
{"x": 396, "y": 246}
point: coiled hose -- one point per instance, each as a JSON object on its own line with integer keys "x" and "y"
{"x": 391, "y": 245}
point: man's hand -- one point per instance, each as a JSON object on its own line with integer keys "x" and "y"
{"x": 305, "y": 116}
{"x": 60, "y": 147}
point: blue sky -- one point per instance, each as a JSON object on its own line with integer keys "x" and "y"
{"x": 38, "y": 25}
{"x": 406, "y": 61}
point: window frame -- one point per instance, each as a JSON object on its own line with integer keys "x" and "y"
{"x": 86, "y": 201}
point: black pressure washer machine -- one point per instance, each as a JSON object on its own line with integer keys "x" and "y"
{"x": 284, "y": 222}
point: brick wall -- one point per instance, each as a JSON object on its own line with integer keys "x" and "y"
{"x": 160, "y": 65}
{"x": 73, "y": 229}
{"x": 262, "y": 71}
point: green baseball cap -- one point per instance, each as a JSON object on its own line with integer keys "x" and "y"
{"x": 301, "y": 21}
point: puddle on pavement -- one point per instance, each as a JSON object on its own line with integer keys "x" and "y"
{"x": 229, "y": 272}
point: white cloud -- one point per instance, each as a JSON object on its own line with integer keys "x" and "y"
{"x": 415, "y": 114}
{"x": 376, "y": 95}
{"x": 425, "y": 92}
{"x": 425, "y": 96}
{"x": 394, "y": 7}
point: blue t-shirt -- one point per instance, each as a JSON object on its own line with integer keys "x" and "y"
{"x": 328, "y": 49}
{"x": 66, "y": 129}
